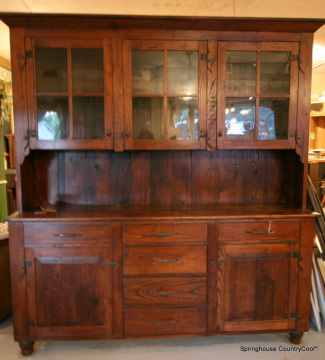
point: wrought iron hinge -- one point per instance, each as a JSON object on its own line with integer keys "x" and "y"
{"x": 294, "y": 134}
{"x": 210, "y": 62}
{"x": 30, "y": 323}
{"x": 215, "y": 262}
{"x": 108, "y": 263}
{"x": 297, "y": 58}
{"x": 26, "y": 263}
{"x": 297, "y": 256}
{"x": 294, "y": 315}
{"x": 31, "y": 133}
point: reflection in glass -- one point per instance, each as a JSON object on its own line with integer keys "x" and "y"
{"x": 241, "y": 72}
{"x": 147, "y": 72}
{"x": 88, "y": 118}
{"x": 240, "y": 118}
{"x": 273, "y": 119}
{"x": 53, "y": 118}
{"x": 148, "y": 123}
{"x": 51, "y": 70}
{"x": 182, "y": 72}
{"x": 275, "y": 73}
{"x": 87, "y": 70}
{"x": 182, "y": 119}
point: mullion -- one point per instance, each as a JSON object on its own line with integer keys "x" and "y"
{"x": 70, "y": 97}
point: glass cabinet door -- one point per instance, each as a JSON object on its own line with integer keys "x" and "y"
{"x": 257, "y": 95}
{"x": 163, "y": 95}
{"x": 70, "y": 94}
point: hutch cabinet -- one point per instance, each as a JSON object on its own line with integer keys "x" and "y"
{"x": 162, "y": 175}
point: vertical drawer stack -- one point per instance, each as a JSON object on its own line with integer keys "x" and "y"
{"x": 164, "y": 279}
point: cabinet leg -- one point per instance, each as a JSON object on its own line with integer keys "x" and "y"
{"x": 295, "y": 337}
{"x": 27, "y": 347}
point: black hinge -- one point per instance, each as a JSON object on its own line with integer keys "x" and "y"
{"x": 215, "y": 262}
{"x": 204, "y": 56}
{"x": 26, "y": 263}
{"x": 30, "y": 323}
{"x": 32, "y": 133}
{"x": 294, "y": 315}
{"x": 297, "y": 256}
{"x": 297, "y": 58}
{"x": 28, "y": 54}
{"x": 108, "y": 263}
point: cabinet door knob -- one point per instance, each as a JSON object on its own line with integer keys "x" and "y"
{"x": 127, "y": 133}
{"x": 108, "y": 133}
{"x": 220, "y": 133}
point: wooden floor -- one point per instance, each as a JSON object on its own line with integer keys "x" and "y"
{"x": 275, "y": 347}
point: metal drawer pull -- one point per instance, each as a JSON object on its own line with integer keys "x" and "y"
{"x": 165, "y": 324}
{"x": 259, "y": 232}
{"x": 164, "y": 261}
{"x": 68, "y": 235}
{"x": 269, "y": 231}
{"x": 165, "y": 293}
{"x": 164, "y": 234}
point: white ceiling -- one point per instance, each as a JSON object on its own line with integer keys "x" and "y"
{"x": 239, "y": 8}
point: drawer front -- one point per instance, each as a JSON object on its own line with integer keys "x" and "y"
{"x": 135, "y": 234}
{"x": 261, "y": 230}
{"x": 177, "y": 321}
{"x": 67, "y": 233}
{"x": 167, "y": 291}
{"x": 154, "y": 260}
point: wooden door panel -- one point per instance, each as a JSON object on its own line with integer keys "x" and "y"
{"x": 69, "y": 291}
{"x": 259, "y": 287}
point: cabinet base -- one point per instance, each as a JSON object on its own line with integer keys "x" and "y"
{"x": 295, "y": 337}
{"x": 27, "y": 347}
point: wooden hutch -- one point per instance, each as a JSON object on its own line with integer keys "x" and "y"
{"x": 162, "y": 169}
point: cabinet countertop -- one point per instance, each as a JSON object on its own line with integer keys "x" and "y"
{"x": 221, "y": 211}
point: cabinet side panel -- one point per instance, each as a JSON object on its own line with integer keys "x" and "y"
{"x": 18, "y": 282}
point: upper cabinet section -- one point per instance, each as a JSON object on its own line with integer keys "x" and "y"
{"x": 70, "y": 105}
{"x": 164, "y": 94}
{"x": 144, "y": 83}
{"x": 257, "y": 95}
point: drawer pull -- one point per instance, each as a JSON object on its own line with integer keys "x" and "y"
{"x": 259, "y": 232}
{"x": 165, "y": 293}
{"x": 164, "y": 234}
{"x": 68, "y": 235}
{"x": 165, "y": 324}
{"x": 164, "y": 261}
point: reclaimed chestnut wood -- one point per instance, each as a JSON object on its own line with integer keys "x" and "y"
{"x": 159, "y": 238}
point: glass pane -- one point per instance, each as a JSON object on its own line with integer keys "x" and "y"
{"x": 53, "y": 118}
{"x": 87, "y": 70}
{"x": 182, "y": 119}
{"x": 241, "y": 72}
{"x": 182, "y": 72}
{"x": 275, "y": 73}
{"x": 88, "y": 118}
{"x": 148, "y": 123}
{"x": 51, "y": 70}
{"x": 273, "y": 119}
{"x": 240, "y": 118}
{"x": 147, "y": 72}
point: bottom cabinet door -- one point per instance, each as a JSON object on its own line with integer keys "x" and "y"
{"x": 257, "y": 287}
{"x": 69, "y": 292}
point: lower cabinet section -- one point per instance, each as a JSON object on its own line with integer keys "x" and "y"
{"x": 164, "y": 321}
{"x": 110, "y": 282}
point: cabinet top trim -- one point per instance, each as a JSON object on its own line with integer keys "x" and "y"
{"x": 70, "y": 21}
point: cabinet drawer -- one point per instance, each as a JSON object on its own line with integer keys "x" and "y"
{"x": 151, "y": 260}
{"x": 135, "y": 234}
{"x": 67, "y": 233}
{"x": 167, "y": 321}
{"x": 261, "y": 230}
{"x": 169, "y": 291}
